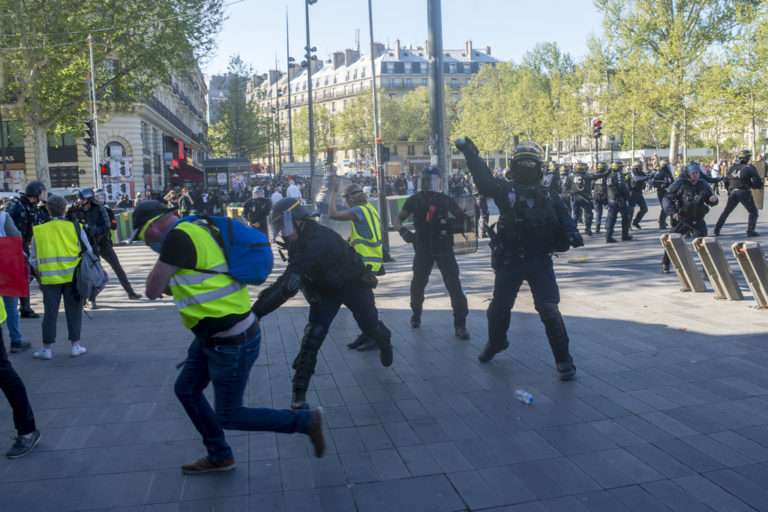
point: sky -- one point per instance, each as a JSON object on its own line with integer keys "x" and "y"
{"x": 255, "y": 29}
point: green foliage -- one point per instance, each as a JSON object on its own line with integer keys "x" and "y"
{"x": 324, "y": 129}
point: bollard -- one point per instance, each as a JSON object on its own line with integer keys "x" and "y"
{"x": 681, "y": 258}
{"x": 750, "y": 257}
{"x": 717, "y": 269}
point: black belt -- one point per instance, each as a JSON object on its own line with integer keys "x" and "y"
{"x": 237, "y": 339}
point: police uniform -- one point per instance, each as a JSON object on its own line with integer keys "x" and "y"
{"x": 637, "y": 180}
{"x": 256, "y": 212}
{"x": 618, "y": 203}
{"x": 580, "y": 188}
{"x": 741, "y": 179}
{"x": 434, "y": 218}
{"x": 26, "y": 215}
{"x": 533, "y": 224}
{"x": 330, "y": 274}
{"x": 565, "y": 194}
{"x": 662, "y": 179}
{"x": 600, "y": 194}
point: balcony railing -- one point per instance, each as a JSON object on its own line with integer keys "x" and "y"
{"x": 172, "y": 118}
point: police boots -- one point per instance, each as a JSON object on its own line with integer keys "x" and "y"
{"x": 299, "y": 399}
{"x": 491, "y": 349}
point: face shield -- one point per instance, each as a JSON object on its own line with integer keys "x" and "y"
{"x": 430, "y": 182}
{"x": 282, "y": 223}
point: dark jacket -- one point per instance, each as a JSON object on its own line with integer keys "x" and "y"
{"x": 688, "y": 200}
{"x": 435, "y": 218}
{"x": 744, "y": 176}
{"x": 95, "y": 221}
{"x": 257, "y": 210}
{"x": 618, "y": 188}
{"x": 26, "y": 215}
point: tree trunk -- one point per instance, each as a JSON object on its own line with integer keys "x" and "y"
{"x": 40, "y": 135}
{"x": 674, "y": 140}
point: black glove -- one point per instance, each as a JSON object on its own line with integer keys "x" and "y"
{"x": 407, "y": 235}
{"x": 466, "y": 146}
{"x": 575, "y": 239}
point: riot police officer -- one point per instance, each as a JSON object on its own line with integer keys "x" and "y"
{"x": 600, "y": 193}
{"x": 256, "y": 210}
{"x": 27, "y": 211}
{"x": 330, "y": 273}
{"x": 618, "y": 203}
{"x": 435, "y": 216}
{"x": 579, "y": 184}
{"x": 662, "y": 179}
{"x": 686, "y": 202}
{"x": 742, "y": 178}
{"x": 637, "y": 181}
{"x": 551, "y": 179}
{"x": 565, "y": 194}
{"x": 533, "y": 224}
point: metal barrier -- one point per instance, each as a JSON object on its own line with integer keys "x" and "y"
{"x": 750, "y": 257}
{"x": 685, "y": 267}
{"x": 717, "y": 268}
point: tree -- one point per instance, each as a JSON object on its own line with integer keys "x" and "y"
{"x": 241, "y": 131}
{"x": 673, "y": 36}
{"x": 137, "y": 44}
{"x": 354, "y": 126}
{"x": 324, "y": 128}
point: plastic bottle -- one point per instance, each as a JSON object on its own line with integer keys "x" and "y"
{"x": 524, "y": 396}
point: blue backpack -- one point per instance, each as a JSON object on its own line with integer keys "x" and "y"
{"x": 247, "y": 250}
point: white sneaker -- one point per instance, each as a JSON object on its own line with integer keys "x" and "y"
{"x": 43, "y": 353}
{"x": 78, "y": 350}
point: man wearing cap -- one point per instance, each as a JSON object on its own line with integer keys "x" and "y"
{"x": 217, "y": 309}
{"x": 365, "y": 238}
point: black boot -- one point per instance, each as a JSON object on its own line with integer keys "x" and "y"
{"x": 359, "y": 341}
{"x": 461, "y": 332}
{"x": 566, "y": 371}
{"x": 299, "y": 400}
{"x": 383, "y": 339}
{"x": 491, "y": 349}
{"x": 415, "y": 321}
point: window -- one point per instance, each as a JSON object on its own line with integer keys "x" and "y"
{"x": 408, "y": 83}
{"x": 145, "y": 142}
{"x": 452, "y": 67}
{"x": 390, "y": 67}
{"x": 115, "y": 150}
{"x": 346, "y": 76}
{"x": 61, "y": 141}
{"x": 354, "y": 75}
{"x": 424, "y": 82}
{"x": 459, "y": 67}
{"x": 333, "y": 106}
{"x": 362, "y": 74}
{"x": 64, "y": 177}
{"x": 411, "y": 150}
{"x": 394, "y": 150}
{"x": 454, "y": 83}
{"x": 407, "y": 67}
{"x": 62, "y": 148}
{"x": 14, "y": 134}
{"x": 399, "y": 67}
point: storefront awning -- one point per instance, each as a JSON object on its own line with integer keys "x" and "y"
{"x": 184, "y": 173}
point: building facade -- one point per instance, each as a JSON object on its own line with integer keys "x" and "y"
{"x": 347, "y": 74}
{"x": 158, "y": 142}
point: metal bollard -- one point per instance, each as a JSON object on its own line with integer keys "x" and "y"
{"x": 681, "y": 258}
{"x": 750, "y": 257}
{"x": 717, "y": 269}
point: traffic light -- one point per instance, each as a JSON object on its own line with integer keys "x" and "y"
{"x": 104, "y": 169}
{"x": 597, "y": 128}
{"x": 88, "y": 138}
{"x": 385, "y": 155}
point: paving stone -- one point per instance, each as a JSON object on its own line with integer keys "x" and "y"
{"x": 688, "y": 455}
{"x": 422, "y": 494}
{"x": 659, "y": 460}
{"x": 742, "y": 487}
{"x": 615, "y": 468}
{"x": 552, "y": 478}
{"x": 710, "y": 494}
{"x": 675, "y": 497}
{"x": 491, "y": 487}
{"x": 573, "y": 439}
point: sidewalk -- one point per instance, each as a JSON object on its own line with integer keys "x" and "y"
{"x": 669, "y": 411}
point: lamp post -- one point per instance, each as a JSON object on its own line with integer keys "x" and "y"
{"x": 289, "y": 60}
{"x": 383, "y": 215}
{"x": 309, "y": 57}
{"x": 436, "y": 89}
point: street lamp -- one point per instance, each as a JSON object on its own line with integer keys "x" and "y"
{"x": 436, "y": 89}
{"x": 290, "y": 64}
{"x": 309, "y": 49}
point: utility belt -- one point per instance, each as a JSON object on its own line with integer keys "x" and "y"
{"x": 236, "y": 339}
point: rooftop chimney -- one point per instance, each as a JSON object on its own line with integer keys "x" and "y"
{"x": 488, "y": 50}
{"x": 378, "y": 50}
{"x": 351, "y": 56}
{"x": 338, "y": 59}
{"x": 468, "y": 49}
{"x": 397, "y": 49}
{"x": 274, "y": 76}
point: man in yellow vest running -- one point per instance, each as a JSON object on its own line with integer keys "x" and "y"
{"x": 365, "y": 239}
{"x": 217, "y": 309}
{"x": 55, "y": 254}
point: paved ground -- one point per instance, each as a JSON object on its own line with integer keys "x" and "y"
{"x": 670, "y": 410}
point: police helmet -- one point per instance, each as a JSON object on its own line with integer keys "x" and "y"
{"x": 637, "y": 165}
{"x": 602, "y": 166}
{"x": 551, "y": 166}
{"x": 34, "y": 189}
{"x": 581, "y": 167}
{"x": 693, "y": 167}
{"x": 284, "y": 213}
{"x": 744, "y": 156}
{"x": 617, "y": 166}
{"x": 430, "y": 179}
{"x": 146, "y": 212}
{"x": 526, "y": 165}
{"x": 85, "y": 194}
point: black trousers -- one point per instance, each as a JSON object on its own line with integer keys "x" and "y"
{"x": 539, "y": 272}
{"x": 616, "y": 208}
{"x": 583, "y": 205}
{"x": 107, "y": 252}
{"x": 660, "y": 193}
{"x": 600, "y": 203}
{"x": 423, "y": 261}
{"x": 697, "y": 228}
{"x": 14, "y": 390}
{"x": 739, "y": 196}
{"x": 323, "y": 308}
{"x": 638, "y": 200}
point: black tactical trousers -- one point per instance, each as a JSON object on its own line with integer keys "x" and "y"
{"x": 423, "y": 261}
{"x": 600, "y": 203}
{"x": 539, "y": 272}
{"x": 695, "y": 227}
{"x": 583, "y": 205}
{"x": 660, "y": 193}
{"x": 14, "y": 390}
{"x": 107, "y": 252}
{"x": 735, "y": 197}
{"x": 614, "y": 209}
{"x": 637, "y": 200}
{"x": 323, "y": 308}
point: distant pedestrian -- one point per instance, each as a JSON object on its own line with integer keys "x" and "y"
{"x": 276, "y": 196}
{"x": 293, "y": 192}
{"x": 55, "y": 254}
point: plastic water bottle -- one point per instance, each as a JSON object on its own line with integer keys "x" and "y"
{"x": 524, "y": 396}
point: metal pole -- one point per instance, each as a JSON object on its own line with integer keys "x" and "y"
{"x": 383, "y": 212}
{"x": 279, "y": 166}
{"x": 95, "y": 112}
{"x": 436, "y": 89}
{"x": 290, "y": 114}
{"x": 3, "y": 143}
{"x": 309, "y": 104}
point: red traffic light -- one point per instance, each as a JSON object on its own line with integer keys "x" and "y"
{"x": 104, "y": 169}
{"x": 597, "y": 122}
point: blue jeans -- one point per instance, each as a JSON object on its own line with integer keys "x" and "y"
{"x": 228, "y": 368}
{"x": 12, "y": 309}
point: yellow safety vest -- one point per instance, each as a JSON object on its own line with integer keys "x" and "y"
{"x": 57, "y": 251}
{"x": 3, "y": 314}
{"x": 200, "y": 295}
{"x": 369, "y": 249}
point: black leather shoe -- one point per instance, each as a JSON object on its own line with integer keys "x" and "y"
{"x": 637, "y": 226}
{"x": 626, "y": 238}
{"x": 368, "y": 345}
{"x": 28, "y": 313}
{"x": 359, "y": 342}
{"x": 299, "y": 400}
{"x": 462, "y": 333}
{"x": 490, "y": 351}
{"x": 566, "y": 371}
{"x": 753, "y": 233}
{"x": 415, "y": 322}
{"x": 611, "y": 240}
